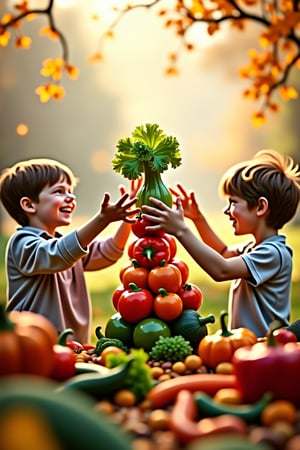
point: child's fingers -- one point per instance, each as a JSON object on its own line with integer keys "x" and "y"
{"x": 106, "y": 199}
{"x": 122, "y": 189}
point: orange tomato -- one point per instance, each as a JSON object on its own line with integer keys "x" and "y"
{"x": 167, "y": 305}
{"x": 136, "y": 275}
{"x": 165, "y": 276}
{"x": 125, "y": 266}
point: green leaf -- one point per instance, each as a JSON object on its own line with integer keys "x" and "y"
{"x": 148, "y": 143}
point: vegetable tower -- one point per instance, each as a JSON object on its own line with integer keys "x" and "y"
{"x": 147, "y": 151}
{"x": 155, "y": 299}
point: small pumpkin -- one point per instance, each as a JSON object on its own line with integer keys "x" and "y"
{"x": 220, "y": 346}
{"x": 192, "y": 326}
{"x": 26, "y": 343}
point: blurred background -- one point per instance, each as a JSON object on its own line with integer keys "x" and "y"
{"x": 202, "y": 106}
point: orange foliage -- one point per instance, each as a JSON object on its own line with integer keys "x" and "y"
{"x": 23, "y": 42}
{"x": 50, "y": 91}
{"x": 4, "y": 37}
{"x": 49, "y": 32}
{"x": 267, "y": 71}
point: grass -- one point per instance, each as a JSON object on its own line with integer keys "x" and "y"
{"x": 102, "y": 284}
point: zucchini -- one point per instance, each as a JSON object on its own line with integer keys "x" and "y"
{"x": 250, "y": 413}
{"x": 70, "y": 415}
{"x": 83, "y": 367}
{"x": 98, "y": 385}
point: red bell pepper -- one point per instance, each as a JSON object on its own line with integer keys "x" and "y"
{"x": 268, "y": 367}
{"x": 151, "y": 250}
{"x": 64, "y": 363}
{"x": 64, "y": 358}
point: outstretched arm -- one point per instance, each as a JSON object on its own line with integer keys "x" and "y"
{"x": 172, "y": 222}
{"x": 109, "y": 212}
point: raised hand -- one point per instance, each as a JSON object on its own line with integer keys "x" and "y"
{"x": 120, "y": 210}
{"x": 165, "y": 218}
{"x": 189, "y": 203}
{"x": 133, "y": 188}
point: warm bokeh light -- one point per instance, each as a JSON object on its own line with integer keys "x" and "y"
{"x": 22, "y": 129}
{"x": 101, "y": 161}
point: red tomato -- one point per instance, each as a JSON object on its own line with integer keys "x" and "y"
{"x": 138, "y": 228}
{"x": 151, "y": 250}
{"x": 116, "y": 295}
{"x": 135, "y": 304}
{"x": 64, "y": 363}
{"x": 167, "y": 305}
{"x": 135, "y": 274}
{"x": 191, "y": 296}
{"x": 165, "y": 276}
{"x": 76, "y": 346}
{"x": 183, "y": 267}
{"x": 172, "y": 243}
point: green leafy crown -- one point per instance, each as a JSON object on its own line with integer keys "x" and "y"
{"x": 147, "y": 145}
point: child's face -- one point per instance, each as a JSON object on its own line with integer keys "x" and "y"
{"x": 244, "y": 219}
{"x": 55, "y": 207}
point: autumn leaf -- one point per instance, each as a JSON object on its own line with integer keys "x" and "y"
{"x": 288, "y": 93}
{"x": 72, "y": 71}
{"x": 49, "y": 32}
{"x": 258, "y": 119}
{"x": 53, "y": 68}
{"x": 4, "y": 38}
{"x": 23, "y": 42}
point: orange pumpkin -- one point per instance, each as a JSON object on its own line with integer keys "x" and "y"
{"x": 26, "y": 343}
{"x": 220, "y": 347}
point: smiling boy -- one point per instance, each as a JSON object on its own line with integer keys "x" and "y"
{"x": 45, "y": 270}
{"x": 263, "y": 195}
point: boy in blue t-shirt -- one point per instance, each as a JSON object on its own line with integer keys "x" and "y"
{"x": 263, "y": 195}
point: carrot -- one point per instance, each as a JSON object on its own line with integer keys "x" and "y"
{"x": 183, "y": 421}
{"x": 165, "y": 392}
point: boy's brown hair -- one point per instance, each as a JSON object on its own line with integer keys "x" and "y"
{"x": 268, "y": 175}
{"x": 27, "y": 179}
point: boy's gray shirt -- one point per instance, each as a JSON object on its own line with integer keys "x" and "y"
{"x": 264, "y": 297}
{"x": 45, "y": 274}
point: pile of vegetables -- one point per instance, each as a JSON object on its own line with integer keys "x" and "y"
{"x": 155, "y": 298}
{"x": 156, "y": 370}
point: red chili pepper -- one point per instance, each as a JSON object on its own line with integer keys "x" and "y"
{"x": 268, "y": 367}
{"x": 77, "y": 347}
{"x": 150, "y": 251}
{"x": 88, "y": 347}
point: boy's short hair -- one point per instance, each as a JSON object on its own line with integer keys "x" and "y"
{"x": 268, "y": 175}
{"x": 27, "y": 179}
